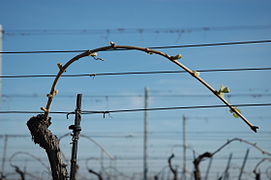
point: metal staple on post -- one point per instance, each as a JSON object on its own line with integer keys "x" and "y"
{"x": 76, "y": 128}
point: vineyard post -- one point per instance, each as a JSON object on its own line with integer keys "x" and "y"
{"x": 226, "y": 172}
{"x": 76, "y": 131}
{"x": 145, "y": 146}
{"x": 4, "y": 155}
{"x": 1, "y": 49}
{"x": 208, "y": 168}
{"x": 184, "y": 147}
{"x": 243, "y": 165}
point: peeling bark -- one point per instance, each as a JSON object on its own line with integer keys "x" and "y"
{"x": 41, "y": 135}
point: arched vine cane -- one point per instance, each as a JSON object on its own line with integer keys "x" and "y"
{"x": 38, "y": 125}
{"x": 174, "y": 59}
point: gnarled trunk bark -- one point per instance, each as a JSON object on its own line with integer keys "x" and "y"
{"x": 41, "y": 135}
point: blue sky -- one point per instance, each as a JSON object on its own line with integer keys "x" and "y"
{"x": 30, "y": 15}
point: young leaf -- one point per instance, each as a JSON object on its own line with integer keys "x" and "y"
{"x": 223, "y": 90}
{"x": 55, "y": 92}
{"x": 196, "y": 73}
{"x": 234, "y": 114}
{"x": 221, "y": 94}
{"x": 178, "y": 56}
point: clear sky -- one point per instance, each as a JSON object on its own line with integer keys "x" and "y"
{"x": 86, "y": 24}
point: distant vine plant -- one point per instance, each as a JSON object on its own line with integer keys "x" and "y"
{"x": 255, "y": 171}
{"x": 201, "y": 157}
{"x": 175, "y": 59}
{"x": 38, "y": 125}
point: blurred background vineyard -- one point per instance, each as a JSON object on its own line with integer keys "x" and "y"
{"x": 112, "y": 144}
